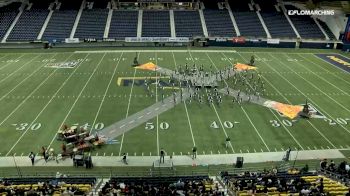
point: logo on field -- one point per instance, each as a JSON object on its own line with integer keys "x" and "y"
{"x": 311, "y": 12}
{"x": 338, "y": 60}
{"x": 70, "y": 64}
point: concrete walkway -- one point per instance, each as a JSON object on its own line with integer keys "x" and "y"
{"x": 112, "y": 161}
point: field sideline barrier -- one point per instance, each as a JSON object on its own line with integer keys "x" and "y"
{"x": 147, "y": 171}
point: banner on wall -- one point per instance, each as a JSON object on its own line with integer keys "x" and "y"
{"x": 157, "y": 39}
{"x": 240, "y": 40}
{"x": 71, "y": 40}
{"x": 273, "y": 41}
{"x": 346, "y": 39}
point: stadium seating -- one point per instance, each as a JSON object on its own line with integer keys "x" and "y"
{"x": 278, "y": 25}
{"x": 29, "y": 24}
{"x": 330, "y": 186}
{"x": 306, "y": 26}
{"x": 249, "y": 24}
{"x": 123, "y": 24}
{"x": 92, "y": 24}
{"x": 283, "y": 183}
{"x": 156, "y": 24}
{"x": 247, "y": 21}
{"x": 219, "y": 23}
{"x": 7, "y": 16}
{"x": 46, "y": 186}
{"x": 187, "y": 185}
{"x": 188, "y": 24}
{"x": 60, "y": 25}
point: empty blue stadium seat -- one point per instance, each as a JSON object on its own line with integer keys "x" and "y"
{"x": 92, "y": 24}
{"x": 219, "y": 23}
{"x": 188, "y": 24}
{"x": 60, "y": 25}
{"x": 123, "y": 24}
{"x": 278, "y": 25}
{"x": 7, "y": 16}
{"x": 29, "y": 25}
{"x": 249, "y": 24}
{"x": 305, "y": 25}
{"x": 156, "y": 24}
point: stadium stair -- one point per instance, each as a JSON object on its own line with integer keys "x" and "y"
{"x": 327, "y": 30}
{"x": 65, "y": 20}
{"x": 108, "y": 23}
{"x": 233, "y": 19}
{"x": 92, "y": 24}
{"x": 306, "y": 26}
{"x": 139, "y": 24}
{"x": 263, "y": 24}
{"x": 100, "y": 182}
{"x": 222, "y": 187}
{"x": 77, "y": 19}
{"x": 43, "y": 28}
{"x": 9, "y": 30}
{"x": 204, "y": 26}
{"x": 290, "y": 21}
{"x": 172, "y": 23}
{"x": 218, "y": 23}
{"x": 319, "y": 26}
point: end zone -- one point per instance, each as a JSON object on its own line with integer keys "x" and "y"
{"x": 337, "y": 60}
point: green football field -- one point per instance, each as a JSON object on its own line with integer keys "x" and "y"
{"x": 36, "y": 99}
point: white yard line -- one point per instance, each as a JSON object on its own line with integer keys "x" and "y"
{"x": 2, "y": 97}
{"x": 6, "y": 56}
{"x": 3, "y": 67}
{"x": 251, "y": 122}
{"x": 307, "y": 121}
{"x": 325, "y": 68}
{"x": 128, "y": 107}
{"x": 43, "y": 109}
{"x": 105, "y": 93}
{"x": 331, "y": 63}
{"x": 32, "y": 92}
{"x": 342, "y": 106}
{"x": 285, "y": 128}
{"x": 76, "y": 100}
{"x": 21, "y": 67}
{"x": 330, "y": 83}
{"x": 157, "y": 102}
{"x": 188, "y": 117}
{"x": 217, "y": 115}
{"x": 313, "y": 102}
{"x": 223, "y": 127}
{"x": 314, "y": 127}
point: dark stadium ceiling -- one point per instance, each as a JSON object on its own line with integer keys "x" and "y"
{"x": 344, "y": 5}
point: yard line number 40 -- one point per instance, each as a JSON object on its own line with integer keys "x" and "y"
{"x": 37, "y": 126}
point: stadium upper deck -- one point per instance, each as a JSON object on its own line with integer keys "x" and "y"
{"x": 57, "y": 20}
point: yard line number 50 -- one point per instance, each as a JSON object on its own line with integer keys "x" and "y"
{"x": 162, "y": 125}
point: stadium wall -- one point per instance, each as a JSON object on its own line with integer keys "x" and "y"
{"x": 197, "y": 42}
